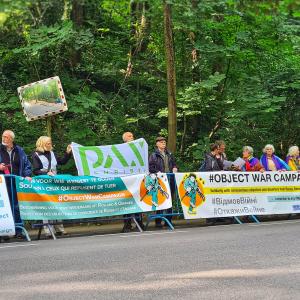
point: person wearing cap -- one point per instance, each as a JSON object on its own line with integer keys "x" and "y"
{"x": 162, "y": 160}
{"x": 129, "y": 137}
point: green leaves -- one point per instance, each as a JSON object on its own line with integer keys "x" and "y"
{"x": 45, "y": 37}
{"x": 237, "y": 70}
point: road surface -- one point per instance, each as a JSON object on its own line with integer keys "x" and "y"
{"x": 219, "y": 262}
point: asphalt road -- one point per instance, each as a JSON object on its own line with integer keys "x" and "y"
{"x": 220, "y": 262}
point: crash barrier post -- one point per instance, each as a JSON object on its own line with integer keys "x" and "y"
{"x": 176, "y": 205}
{"x": 10, "y": 181}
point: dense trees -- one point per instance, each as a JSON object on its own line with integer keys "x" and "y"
{"x": 237, "y": 69}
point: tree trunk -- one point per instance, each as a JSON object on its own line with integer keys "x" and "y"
{"x": 171, "y": 77}
{"x": 77, "y": 13}
{"x": 77, "y": 16}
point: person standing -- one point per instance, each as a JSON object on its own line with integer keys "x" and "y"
{"x": 213, "y": 160}
{"x": 293, "y": 158}
{"x": 45, "y": 162}
{"x": 213, "y": 163}
{"x": 221, "y": 150}
{"x": 271, "y": 162}
{"x": 14, "y": 161}
{"x": 129, "y": 137}
{"x": 162, "y": 160}
{"x": 252, "y": 164}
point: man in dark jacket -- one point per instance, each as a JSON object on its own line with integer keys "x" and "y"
{"x": 213, "y": 162}
{"x": 129, "y": 137}
{"x": 162, "y": 160}
{"x": 13, "y": 160}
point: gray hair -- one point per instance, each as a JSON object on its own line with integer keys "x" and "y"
{"x": 125, "y": 135}
{"x": 248, "y": 148}
{"x": 293, "y": 150}
{"x": 10, "y": 132}
{"x": 268, "y": 146}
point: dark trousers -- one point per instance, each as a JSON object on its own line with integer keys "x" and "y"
{"x": 171, "y": 179}
{"x": 13, "y": 199}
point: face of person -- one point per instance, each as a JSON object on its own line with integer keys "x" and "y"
{"x": 128, "y": 137}
{"x": 297, "y": 153}
{"x": 7, "y": 139}
{"x": 246, "y": 154}
{"x": 161, "y": 145}
{"x": 153, "y": 176}
{"x": 192, "y": 179}
{"x": 48, "y": 145}
{"x": 269, "y": 151}
{"x": 222, "y": 149}
{"x": 216, "y": 151}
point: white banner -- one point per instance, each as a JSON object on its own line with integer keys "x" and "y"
{"x": 113, "y": 160}
{"x": 224, "y": 194}
{"x": 7, "y": 225}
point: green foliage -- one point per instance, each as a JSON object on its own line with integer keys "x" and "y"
{"x": 237, "y": 69}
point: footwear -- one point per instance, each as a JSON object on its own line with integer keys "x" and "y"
{"x": 127, "y": 227}
{"x": 61, "y": 233}
{"x": 20, "y": 236}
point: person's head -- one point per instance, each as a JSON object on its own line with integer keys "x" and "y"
{"x": 222, "y": 146}
{"x": 192, "y": 177}
{"x": 161, "y": 143}
{"x": 44, "y": 143}
{"x": 294, "y": 151}
{"x": 214, "y": 148}
{"x": 127, "y": 137}
{"x": 8, "y": 137}
{"x": 269, "y": 150}
{"x": 153, "y": 175}
{"x": 247, "y": 152}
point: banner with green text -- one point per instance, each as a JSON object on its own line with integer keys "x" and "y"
{"x": 113, "y": 160}
{"x": 77, "y": 197}
{"x": 225, "y": 194}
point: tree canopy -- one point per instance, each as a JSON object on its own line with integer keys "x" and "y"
{"x": 236, "y": 63}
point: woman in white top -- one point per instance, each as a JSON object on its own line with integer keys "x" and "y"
{"x": 45, "y": 162}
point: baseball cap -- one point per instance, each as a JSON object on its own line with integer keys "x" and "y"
{"x": 160, "y": 138}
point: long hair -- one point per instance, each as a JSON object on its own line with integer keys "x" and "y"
{"x": 41, "y": 142}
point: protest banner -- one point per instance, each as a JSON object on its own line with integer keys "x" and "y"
{"x": 7, "y": 224}
{"x": 225, "y": 194}
{"x": 112, "y": 160}
{"x": 68, "y": 197}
